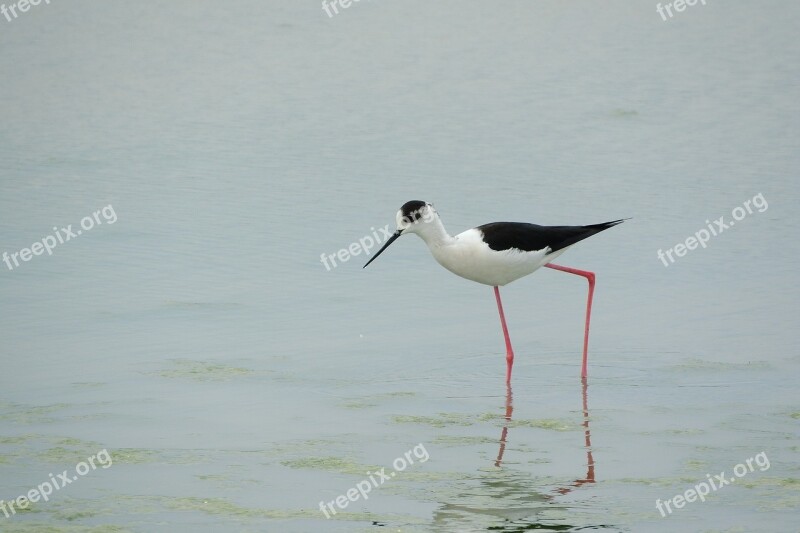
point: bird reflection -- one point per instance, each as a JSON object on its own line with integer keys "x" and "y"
{"x": 587, "y": 444}
{"x": 504, "y": 434}
{"x": 516, "y": 498}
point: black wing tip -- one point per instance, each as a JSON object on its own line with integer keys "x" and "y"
{"x": 611, "y": 224}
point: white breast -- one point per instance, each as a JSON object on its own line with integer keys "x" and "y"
{"x": 471, "y": 258}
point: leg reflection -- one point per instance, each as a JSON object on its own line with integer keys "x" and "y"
{"x": 587, "y": 438}
{"x": 504, "y": 434}
{"x": 587, "y": 443}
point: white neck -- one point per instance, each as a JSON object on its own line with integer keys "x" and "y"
{"x": 434, "y": 234}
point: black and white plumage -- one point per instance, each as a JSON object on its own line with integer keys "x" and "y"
{"x": 493, "y": 254}
{"x": 497, "y": 254}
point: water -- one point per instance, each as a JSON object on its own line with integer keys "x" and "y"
{"x": 236, "y": 383}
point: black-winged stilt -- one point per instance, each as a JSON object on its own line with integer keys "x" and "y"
{"x": 497, "y": 253}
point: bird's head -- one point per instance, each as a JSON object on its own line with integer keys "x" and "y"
{"x": 413, "y": 217}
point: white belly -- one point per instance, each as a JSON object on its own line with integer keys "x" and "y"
{"x": 471, "y": 258}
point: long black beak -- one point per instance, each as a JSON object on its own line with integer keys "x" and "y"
{"x": 385, "y": 246}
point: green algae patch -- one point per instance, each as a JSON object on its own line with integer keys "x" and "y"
{"x": 226, "y": 481}
{"x": 330, "y": 464}
{"x": 661, "y": 482}
{"x": 49, "y": 448}
{"x": 135, "y": 456}
{"x": 704, "y": 364}
{"x": 463, "y": 440}
{"x": 772, "y": 493}
{"x": 213, "y": 506}
{"x": 203, "y": 371}
{"x": 62, "y": 455}
{"x": 697, "y": 465}
{"x": 28, "y": 527}
{"x": 689, "y": 431}
{"x": 297, "y": 447}
{"x": 213, "y": 477}
{"x": 145, "y": 456}
{"x": 790, "y": 483}
{"x": 68, "y": 450}
{"x": 550, "y": 424}
{"x": 624, "y": 113}
{"x": 456, "y": 419}
{"x": 29, "y": 414}
{"x": 439, "y": 421}
{"x": 220, "y": 507}
{"x": 89, "y": 384}
{"x": 19, "y": 439}
{"x": 70, "y": 441}
{"x": 72, "y": 516}
{"x": 674, "y": 431}
{"x": 374, "y": 400}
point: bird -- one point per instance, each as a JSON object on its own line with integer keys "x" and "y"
{"x": 496, "y": 254}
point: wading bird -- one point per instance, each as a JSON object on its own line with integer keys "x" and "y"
{"x": 497, "y": 253}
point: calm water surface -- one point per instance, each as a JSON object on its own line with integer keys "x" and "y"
{"x": 236, "y": 382}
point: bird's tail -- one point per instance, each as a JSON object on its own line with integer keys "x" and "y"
{"x": 605, "y": 225}
{"x": 569, "y": 235}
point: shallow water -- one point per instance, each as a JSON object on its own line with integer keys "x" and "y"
{"x": 237, "y": 383}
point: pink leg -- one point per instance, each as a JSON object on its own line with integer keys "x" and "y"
{"x": 509, "y": 350}
{"x": 590, "y": 277}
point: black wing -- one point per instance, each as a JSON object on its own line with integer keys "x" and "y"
{"x": 530, "y": 237}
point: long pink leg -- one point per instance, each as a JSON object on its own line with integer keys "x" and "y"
{"x": 590, "y": 277}
{"x": 509, "y": 350}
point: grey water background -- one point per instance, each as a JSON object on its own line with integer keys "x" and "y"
{"x": 236, "y": 382}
